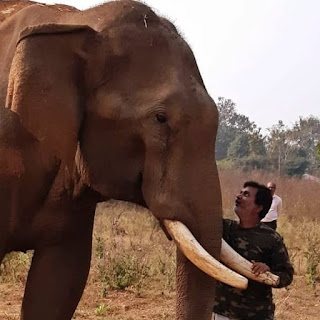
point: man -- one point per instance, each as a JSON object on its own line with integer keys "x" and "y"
{"x": 262, "y": 246}
{"x": 271, "y": 217}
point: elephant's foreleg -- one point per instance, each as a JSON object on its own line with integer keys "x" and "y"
{"x": 57, "y": 279}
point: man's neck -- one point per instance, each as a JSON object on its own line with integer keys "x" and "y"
{"x": 249, "y": 223}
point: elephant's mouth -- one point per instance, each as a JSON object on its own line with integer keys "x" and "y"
{"x": 192, "y": 249}
{"x": 142, "y": 201}
{"x": 136, "y": 196}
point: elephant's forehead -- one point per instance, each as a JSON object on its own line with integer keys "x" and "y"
{"x": 113, "y": 103}
{"x": 172, "y": 96}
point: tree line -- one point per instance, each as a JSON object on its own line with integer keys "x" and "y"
{"x": 286, "y": 150}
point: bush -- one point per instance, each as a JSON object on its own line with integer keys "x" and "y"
{"x": 14, "y": 267}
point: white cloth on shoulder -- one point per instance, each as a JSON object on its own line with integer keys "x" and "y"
{"x": 275, "y": 209}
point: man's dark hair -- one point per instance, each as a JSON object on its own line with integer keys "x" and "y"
{"x": 263, "y": 197}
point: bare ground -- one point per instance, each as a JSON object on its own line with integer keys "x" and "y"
{"x": 299, "y": 302}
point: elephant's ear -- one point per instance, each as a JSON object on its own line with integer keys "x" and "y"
{"x": 46, "y": 86}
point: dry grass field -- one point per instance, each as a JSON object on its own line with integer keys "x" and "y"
{"x": 133, "y": 264}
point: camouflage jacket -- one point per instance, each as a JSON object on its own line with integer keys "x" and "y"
{"x": 261, "y": 244}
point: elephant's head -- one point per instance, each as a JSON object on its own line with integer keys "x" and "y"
{"x": 122, "y": 103}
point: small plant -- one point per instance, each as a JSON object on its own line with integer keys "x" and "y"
{"x": 102, "y": 309}
{"x": 124, "y": 272}
{"x": 313, "y": 260}
{"x": 99, "y": 247}
{"x": 162, "y": 267}
{"x": 171, "y": 274}
{"x": 166, "y": 268}
{"x": 14, "y": 267}
{"x": 120, "y": 271}
{"x": 128, "y": 271}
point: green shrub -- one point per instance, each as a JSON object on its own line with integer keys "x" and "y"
{"x": 14, "y": 267}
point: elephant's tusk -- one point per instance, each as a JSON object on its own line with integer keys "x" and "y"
{"x": 238, "y": 263}
{"x": 192, "y": 249}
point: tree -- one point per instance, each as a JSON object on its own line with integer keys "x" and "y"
{"x": 231, "y": 124}
{"x": 318, "y": 151}
{"x": 239, "y": 147}
{"x": 305, "y": 136}
{"x": 277, "y": 145}
{"x": 257, "y": 146}
{"x": 294, "y": 151}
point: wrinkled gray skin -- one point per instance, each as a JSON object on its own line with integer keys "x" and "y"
{"x": 105, "y": 103}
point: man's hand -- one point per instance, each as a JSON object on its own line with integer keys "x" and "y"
{"x": 259, "y": 267}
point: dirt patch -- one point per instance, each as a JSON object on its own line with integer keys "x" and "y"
{"x": 299, "y": 302}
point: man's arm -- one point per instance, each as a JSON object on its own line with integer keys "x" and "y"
{"x": 281, "y": 264}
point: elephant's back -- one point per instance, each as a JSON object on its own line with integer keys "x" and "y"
{"x": 10, "y": 8}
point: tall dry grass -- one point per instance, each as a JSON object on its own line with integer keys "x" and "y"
{"x": 130, "y": 250}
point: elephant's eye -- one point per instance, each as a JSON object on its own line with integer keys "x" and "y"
{"x": 161, "y": 118}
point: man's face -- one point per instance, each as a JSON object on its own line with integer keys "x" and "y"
{"x": 245, "y": 205}
{"x": 272, "y": 187}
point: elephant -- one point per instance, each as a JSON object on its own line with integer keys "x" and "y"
{"x": 106, "y": 103}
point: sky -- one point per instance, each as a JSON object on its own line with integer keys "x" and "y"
{"x": 264, "y": 55}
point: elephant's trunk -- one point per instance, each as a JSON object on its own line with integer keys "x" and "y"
{"x": 195, "y": 200}
{"x": 195, "y": 291}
